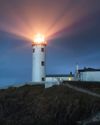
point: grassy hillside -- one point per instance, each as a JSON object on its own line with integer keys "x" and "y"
{"x": 35, "y": 105}
{"x": 92, "y": 86}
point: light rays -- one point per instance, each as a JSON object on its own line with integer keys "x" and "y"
{"x": 50, "y": 17}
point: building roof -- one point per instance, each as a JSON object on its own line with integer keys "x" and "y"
{"x": 88, "y": 70}
{"x": 60, "y": 75}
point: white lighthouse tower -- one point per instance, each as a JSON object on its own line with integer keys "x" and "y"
{"x": 38, "y": 59}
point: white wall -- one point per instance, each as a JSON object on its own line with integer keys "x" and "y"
{"x": 38, "y": 71}
{"x": 58, "y": 79}
{"x": 90, "y": 76}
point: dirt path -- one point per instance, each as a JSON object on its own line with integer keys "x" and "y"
{"x": 82, "y": 90}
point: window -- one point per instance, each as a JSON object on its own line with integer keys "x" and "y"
{"x": 42, "y": 63}
{"x": 42, "y": 49}
{"x": 33, "y": 50}
{"x": 43, "y": 79}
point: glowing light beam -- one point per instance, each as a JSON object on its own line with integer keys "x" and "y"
{"x": 47, "y": 16}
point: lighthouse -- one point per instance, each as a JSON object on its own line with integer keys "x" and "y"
{"x": 38, "y": 59}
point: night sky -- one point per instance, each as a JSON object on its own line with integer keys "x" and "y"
{"x": 71, "y": 28}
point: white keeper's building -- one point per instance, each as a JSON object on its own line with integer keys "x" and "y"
{"x": 88, "y": 74}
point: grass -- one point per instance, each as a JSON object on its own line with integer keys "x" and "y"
{"x": 35, "y": 105}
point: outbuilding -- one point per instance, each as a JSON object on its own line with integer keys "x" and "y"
{"x": 89, "y": 74}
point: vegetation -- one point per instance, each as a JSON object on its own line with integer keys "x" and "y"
{"x": 92, "y": 86}
{"x": 35, "y": 105}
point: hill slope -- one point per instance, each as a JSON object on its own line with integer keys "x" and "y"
{"x": 35, "y": 105}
